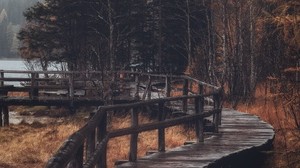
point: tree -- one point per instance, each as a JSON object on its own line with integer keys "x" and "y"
{"x": 38, "y": 37}
{"x": 111, "y": 34}
{"x": 57, "y": 30}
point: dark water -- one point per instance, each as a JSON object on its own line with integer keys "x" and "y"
{"x": 16, "y": 118}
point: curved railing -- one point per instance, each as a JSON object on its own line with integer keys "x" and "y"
{"x": 87, "y": 147}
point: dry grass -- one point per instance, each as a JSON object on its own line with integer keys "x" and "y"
{"x": 286, "y": 144}
{"x": 18, "y": 94}
{"x": 118, "y": 148}
{"x": 31, "y": 145}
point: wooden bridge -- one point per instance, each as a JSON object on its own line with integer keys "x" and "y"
{"x": 196, "y": 102}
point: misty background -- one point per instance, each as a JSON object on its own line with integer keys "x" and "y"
{"x": 11, "y": 20}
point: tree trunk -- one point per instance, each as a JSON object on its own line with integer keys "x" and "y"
{"x": 111, "y": 38}
{"x": 210, "y": 54}
{"x": 252, "y": 49}
{"x": 189, "y": 33}
{"x": 160, "y": 36}
{"x": 224, "y": 38}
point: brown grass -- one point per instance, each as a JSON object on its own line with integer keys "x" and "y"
{"x": 31, "y": 145}
{"x": 286, "y": 144}
{"x": 118, "y": 148}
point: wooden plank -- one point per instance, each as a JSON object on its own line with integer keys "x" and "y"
{"x": 185, "y": 93}
{"x": 228, "y": 141}
{"x": 91, "y": 141}
{"x": 101, "y": 135}
{"x": 134, "y": 136}
{"x": 161, "y": 131}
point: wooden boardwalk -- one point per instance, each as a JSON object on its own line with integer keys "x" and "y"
{"x": 239, "y": 133}
{"x": 87, "y": 147}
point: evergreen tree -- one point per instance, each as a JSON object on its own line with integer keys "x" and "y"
{"x": 110, "y": 34}
{"x": 56, "y": 30}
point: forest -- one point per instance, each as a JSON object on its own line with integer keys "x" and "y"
{"x": 230, "y": 43}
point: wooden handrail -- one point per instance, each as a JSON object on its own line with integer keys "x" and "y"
{"x": 99, "y": 150}
{"x": 87, "y": 146}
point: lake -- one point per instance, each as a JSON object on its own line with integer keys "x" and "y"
{"x": 18, "y": 64}
{"x": 12, "y": 65}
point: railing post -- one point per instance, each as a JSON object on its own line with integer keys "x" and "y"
{"x": 4, "y": 113}
{"x": 200, "y": 89}
{"x": 1, "y": 76}
{"x": 168, "y": 87}
{"x": 101, "y": 133}
{"x": 216, "y": 116}
{"x": 79, "y": 156}
{"x": 90, "y": 141}
{"x": 219, "y": 105}
{"x": 77, "y": 161}
{"x": 71, "y": 93}
{"x": 134, "y": 137}
{"x": 71, "y": 85}
{"x": 34, "y": 91}
{"x": 149, "y": 88}
{"x": 137, "y": 88}
{"x": 185, "y": 93}
{"x": 201, "y": 100}
{"x": 161, "y": 131}
{"x": 200, "y": 122}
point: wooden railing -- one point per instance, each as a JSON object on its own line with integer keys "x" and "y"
{"x": 47, "y": 88}
{"x": 87, "y": 147}
{"x": 36, "y": 82}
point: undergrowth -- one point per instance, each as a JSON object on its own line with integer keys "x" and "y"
{"x": 31, "y": 145}
{"x": 270, "y": 107}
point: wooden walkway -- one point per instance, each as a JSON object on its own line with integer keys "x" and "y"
{"x": 239, "y": 133}
{"x": 87, "y": 147}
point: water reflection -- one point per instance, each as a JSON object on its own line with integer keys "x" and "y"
{"x": 16, "y": 118}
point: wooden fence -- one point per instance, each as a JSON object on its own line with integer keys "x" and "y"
{"x": 37, "y": 82}
{"x": 87, "y": 147}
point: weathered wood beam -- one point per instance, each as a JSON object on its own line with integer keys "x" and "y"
{"x": 134, "y": 136}
{"x": 161, "y": 131}
{"x": 185, "y": 92}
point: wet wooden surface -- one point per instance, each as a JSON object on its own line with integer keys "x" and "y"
{"x": 238, "y": 133}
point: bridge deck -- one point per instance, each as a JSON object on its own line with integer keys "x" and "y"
{"x": 239, "y": 132}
